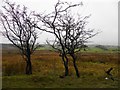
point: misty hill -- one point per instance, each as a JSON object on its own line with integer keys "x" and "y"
{"x": 47, "y": 47}
{"x": 8, "y": 47}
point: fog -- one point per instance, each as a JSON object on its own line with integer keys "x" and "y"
{"x": 104, "y": 18}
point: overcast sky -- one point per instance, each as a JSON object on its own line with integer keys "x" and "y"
{"x": 104, "y": 17}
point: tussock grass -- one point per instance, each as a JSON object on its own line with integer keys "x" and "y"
{"x": 47, "y": 66}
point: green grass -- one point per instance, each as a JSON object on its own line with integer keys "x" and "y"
{"x": 87, "y": 80}
{"x": 47, "y": 67}
{"x": 99, "y": 50}
{"x": 92, "y": 76}
{"x": 89, "y": 49}
{"x": 45, "y": 48}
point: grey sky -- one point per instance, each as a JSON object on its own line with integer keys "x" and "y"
{"x": 104, "y": 17}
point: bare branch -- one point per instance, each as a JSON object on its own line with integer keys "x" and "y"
{"x": 19, "y": 27}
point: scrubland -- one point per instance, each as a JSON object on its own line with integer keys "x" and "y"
{"x": 47, "y": 67}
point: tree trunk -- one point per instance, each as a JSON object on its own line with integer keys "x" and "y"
{"x": 75, "y": 66}
{"x": 65, "y": 64}
{"x": 28, "y": 66}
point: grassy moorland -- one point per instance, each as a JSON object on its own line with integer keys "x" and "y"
{"x": 47, "y": 66}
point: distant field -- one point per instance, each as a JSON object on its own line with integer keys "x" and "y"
{"x": 94, "y": 49}
{"x": 99, "y": 50}
{"x": 90, "y": 48}
{"x": 47, "y": 66}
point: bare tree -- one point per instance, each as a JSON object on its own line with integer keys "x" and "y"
{"x": 52, "y": 24}
{"x": 75, "y": 35}
{"x": 19, "y": 29}
{"x": 70, "y": 32}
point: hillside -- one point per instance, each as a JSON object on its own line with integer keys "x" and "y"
{"x": 90, "y": 48}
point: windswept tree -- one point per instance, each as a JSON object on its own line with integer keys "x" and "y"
{"x": 70, "y": 32}
{"x": 51, "y": 23}
{"x": 75, "y": 35}
{"x": 19, "y": 29}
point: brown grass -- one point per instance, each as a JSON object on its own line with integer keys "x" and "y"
{"x": 47, "y": 66}
{"x": 45, "y": 62}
